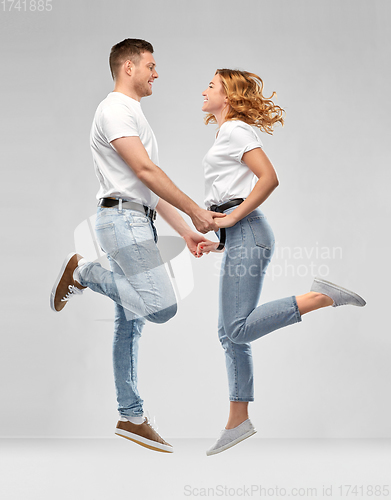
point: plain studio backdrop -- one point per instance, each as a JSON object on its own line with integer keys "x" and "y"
{"x": 328, "y": 61}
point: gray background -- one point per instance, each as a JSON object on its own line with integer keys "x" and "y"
{"x": 328, "y": 61}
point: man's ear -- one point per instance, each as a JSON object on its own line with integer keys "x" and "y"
{"x": 128, "y": 67}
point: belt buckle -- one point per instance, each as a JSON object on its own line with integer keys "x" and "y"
{"x": 150, "y": 213}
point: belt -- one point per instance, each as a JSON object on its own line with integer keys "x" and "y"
{"x": 222, "y": 208}
{"x": 130, "y": 205}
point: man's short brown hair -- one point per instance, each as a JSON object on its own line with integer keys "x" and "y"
{"x": 130, "y": 48}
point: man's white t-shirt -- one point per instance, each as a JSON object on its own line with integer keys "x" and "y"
{"x": 226, "y": 176}
{"x": 121, "y": 116}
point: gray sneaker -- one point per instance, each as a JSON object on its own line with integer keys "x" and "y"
{"x": 230, "y": 437}
{"x": 339, "y": 295}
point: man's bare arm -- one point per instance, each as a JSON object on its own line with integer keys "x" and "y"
{"x": 135, "y": 156}
{"x": 176, "y": 221}
{"x": 172, "y": 217}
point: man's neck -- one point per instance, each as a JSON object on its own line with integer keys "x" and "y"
{"x": 126, "y": 91}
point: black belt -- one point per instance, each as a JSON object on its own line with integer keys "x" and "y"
{"x": 222, "y": 208}
{"x": 130, "y": 205}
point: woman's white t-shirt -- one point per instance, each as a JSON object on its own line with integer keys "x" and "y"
{"x": 121, "y": 116}
{"x": 226, "y": 176}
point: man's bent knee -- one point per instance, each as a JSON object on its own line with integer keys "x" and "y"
{"x": 163, "y": 315}
{"x": 236, "y": 336}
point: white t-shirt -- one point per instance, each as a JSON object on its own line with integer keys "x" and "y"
{"x": 121, "y": 116}
{"x": 226, "y": 176}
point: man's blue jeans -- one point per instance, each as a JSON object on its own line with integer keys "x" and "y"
{"x": 138, "y": 284}
{"x": 248, "y": 251}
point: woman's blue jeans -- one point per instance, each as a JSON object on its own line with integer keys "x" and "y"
{"x": 138, "y": 284}
{"x": 248, "y": 251}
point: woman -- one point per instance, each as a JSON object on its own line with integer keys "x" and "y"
{"x": 239, "y": 177}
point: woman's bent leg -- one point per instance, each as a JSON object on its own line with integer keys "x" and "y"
{"x": 244, "y": 267}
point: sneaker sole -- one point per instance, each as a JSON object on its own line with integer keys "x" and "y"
{"x": 53, "y": 293}
{"x": 337, "y": 287}
{"x": 147, "y": 443}
{"x": 232, "y": 443}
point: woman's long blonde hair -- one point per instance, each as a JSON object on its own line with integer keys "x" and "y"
{"x": 246, "y": 101}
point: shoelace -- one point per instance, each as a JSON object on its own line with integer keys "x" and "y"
{"x": 73, "y": 290}
{"x": 151, "y": 422}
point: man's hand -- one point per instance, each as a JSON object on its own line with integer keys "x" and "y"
{"x": 193, "y": 242}
{"x": 173, "y": 218}
{"x": 203, "y": 220}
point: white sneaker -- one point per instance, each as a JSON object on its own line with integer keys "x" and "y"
{"x": 340, "y": 296}
{"x": 230, "y": 437}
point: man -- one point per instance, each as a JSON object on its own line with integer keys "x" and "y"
{"x": 132, "y": 186}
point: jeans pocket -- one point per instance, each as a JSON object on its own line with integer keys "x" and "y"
{"x": 107, "y": 239}
{"x": 138, "y": 220}
{"x": 261, "y": 231}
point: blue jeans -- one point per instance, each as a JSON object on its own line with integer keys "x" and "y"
{"x": 248, "y": 251}
{"x": 138, "y": 284}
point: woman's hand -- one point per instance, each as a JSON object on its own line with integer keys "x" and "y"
{"x": 194, "y": 240}
{"x": 171, "y": 215}
{"x": 208, "y": 246}
{"x": 228, "y": 221}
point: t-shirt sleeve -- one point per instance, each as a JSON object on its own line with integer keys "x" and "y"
{"x": 242, "y": 139}
{"x": 117, "y": 121}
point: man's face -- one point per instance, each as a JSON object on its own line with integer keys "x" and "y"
{"x": 144, "y": 74}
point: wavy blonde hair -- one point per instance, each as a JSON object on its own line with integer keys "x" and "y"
{"x": 246, "y": 101}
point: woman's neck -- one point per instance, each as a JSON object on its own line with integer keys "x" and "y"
{"x": 220, "y": 117}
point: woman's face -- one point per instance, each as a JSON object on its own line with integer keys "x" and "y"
{"x": 215, "y": 98}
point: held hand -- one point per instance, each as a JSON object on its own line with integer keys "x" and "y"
{"x": 228, "y": 221}
{"x": 208, "y": 246}
{"x": 193, "y": 240}
{"x": 205, "y": 220}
